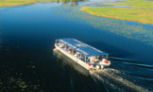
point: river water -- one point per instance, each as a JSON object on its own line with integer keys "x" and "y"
{"x": 29, "y": 64}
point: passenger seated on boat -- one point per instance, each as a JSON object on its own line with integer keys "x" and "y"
{"x": 60, "y": 45}
{"x": 88, "y": 60}
{"x": 69, "y": 51}
{"x": 73, "y": 52}
{"x": 65, "y": 47}
{"x": 93, "y": 60}
{"x": 82, "y": 57}
{"x": 76, "y": 54}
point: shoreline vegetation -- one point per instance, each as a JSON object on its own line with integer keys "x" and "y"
{"x": 136, "y": 10}
{"x": 6, "y": 3}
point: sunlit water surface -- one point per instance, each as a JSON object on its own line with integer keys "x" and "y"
{"x": 28, "y": 62}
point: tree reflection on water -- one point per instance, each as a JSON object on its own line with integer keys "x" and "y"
{"x": 5, "y": 3}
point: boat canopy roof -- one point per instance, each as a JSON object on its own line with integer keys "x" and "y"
{"x": 82, "y": 47}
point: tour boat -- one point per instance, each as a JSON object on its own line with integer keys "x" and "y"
{"x": 85, "y": 55}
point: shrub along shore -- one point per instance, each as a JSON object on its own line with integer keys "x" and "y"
{"x": 136, "y": 10}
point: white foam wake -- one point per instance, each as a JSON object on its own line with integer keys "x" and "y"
{"x": 111, "y": 78}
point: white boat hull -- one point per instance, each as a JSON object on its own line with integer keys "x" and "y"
{"x": 75, "y": 59}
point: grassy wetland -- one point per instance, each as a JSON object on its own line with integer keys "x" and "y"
{"x": 6, "y": 3}
{"x": 135, "y": 10}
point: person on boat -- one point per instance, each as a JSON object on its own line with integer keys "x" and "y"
{"x": 60, "y": 45}
{"x": 73, "y": 52}
{"x": 93, "y": 59}
{"x": 69, "y": 50}
{"x": 65, "y": 48}
{"x": 77, "y": 54}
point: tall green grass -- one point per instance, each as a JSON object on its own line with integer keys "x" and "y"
{"x": 4, "y": 3}
{"x": 138, "y": 10}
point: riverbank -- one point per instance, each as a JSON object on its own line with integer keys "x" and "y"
{"x": 136, "y": 10}
{"x": 5, "y": 3}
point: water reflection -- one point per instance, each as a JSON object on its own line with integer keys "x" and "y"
{"x": 4, "y": 3}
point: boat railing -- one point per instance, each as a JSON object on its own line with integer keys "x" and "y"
{"x": 77, "y": 54}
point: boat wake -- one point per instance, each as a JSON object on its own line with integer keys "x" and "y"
{"x": 131, "y": 62}
{"x": 124, "y": 76}
{"x": 117, "y": 83}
